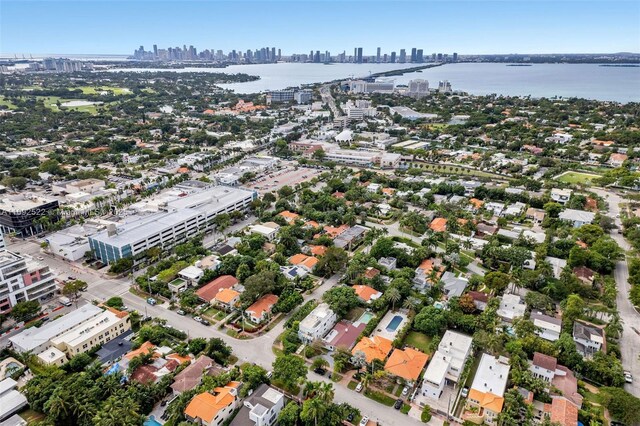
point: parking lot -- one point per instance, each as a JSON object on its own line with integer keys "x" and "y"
{"x": 289, "y": 176}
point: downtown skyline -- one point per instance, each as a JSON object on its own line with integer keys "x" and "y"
{"x": 473, "y": 27}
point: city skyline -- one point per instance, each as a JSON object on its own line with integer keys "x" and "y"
{"x": 472, "y": 27}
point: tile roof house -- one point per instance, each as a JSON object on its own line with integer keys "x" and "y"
{"x": 452, "y": 285}
{"x": 226, "y": 298}
{"x": 584, "y": 274}
{"x": 208, "y": 292}
{"x": 366, "y": 293}
{"x": 438, "y": 224}
{"x": 371, "y": 348}
{"x": 423, "y": 274}
{"x": 290, "y": 217}
{"x": 589, "y": 338}
{"x": 261, "y": 308}
{"x": 480, "y": 299}
{"x": 547, "y": 327}
{"x": 543, "y": 366}
{"x": 343, "y": 335}
{"x": 304, "y": 261}
{"x": 407, "y": 363}
{"x": 191, "y": 376}
{"x": 213, "y": 408}
{"x": 371, "y": 273}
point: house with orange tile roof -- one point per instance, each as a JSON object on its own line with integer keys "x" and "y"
{"x": 477, "y": 204}
{"x": 366, "y": 293}
{"x": 428, "y": 273}
{"x": 370, "y": 348}
{"x": 616, "y": 160}
{"x": 388, "y": 191}
{"x": 318, "y": 250}
{"x": 183, "y": 170}
{"x": 207, "y": 293}
{"x": 213, "y": 408}
{"x": 98, "y": 149}
{"x": 438, "y": 224}
{"x": 311, "y": 224}
{"x": 261, "y": 308}
{"x": 226, "y": 298}
{"x": 290, "y": 217}
{"x": 370, "y": 273}
{"x": 304, "y": 261}
{"x": 332, "y": 232}
{"x": 146, "y": 348}
{"x": 486, "y": 394}
{"x": 208, "y": 112}
{"x": 407, "y": 363}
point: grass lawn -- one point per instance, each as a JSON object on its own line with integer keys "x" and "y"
{"x": 51, "y": 103}
{"x": 576, "y": 177}
{"x": 446, "y": 169}
{"x": 214, "y": 313}
{"x": 89, "y": 90}
{"x": 405, "y": 408}
{"x": 472, "y": 372}
{"x": 380, "y": 397}
{"x": 4, "y": 101}
{"x": 354, "y": 314}
{"x": 418, "y": 340}
{"x": 352, "y": 385}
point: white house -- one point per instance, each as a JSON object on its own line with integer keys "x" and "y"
{"x": 446, "y": 364}
{"x": 268, "y": 230}
{"x": 547, "y": 327}
{"x": 261, "y": 408}
{"x": 561, "y": 195}
{"x": 543, "y": 366}
{"x": 577, "y": 217}
{"x": 317, "y": 324}
{"x": 191, "y": 273}
{"x": 487, "y": 389}
{"x": 511, "y": 307}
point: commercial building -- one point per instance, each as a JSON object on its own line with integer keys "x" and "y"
{"x": 487, "y": 390}
{"x": 361, "y": 86}
{"x": 418, "y": 88}
{"x": 181, "y": 220}
{"x": 23, "y": 279}
{"x": 447, "y": 363}
{"x": 261, "y": 408}
{"x": 277, "y": 96}
{"x": 317, "y": 324}
{"x": 20, "y": 214}
{"x": 303, "y": 96}
{"x": 354, "y": 158}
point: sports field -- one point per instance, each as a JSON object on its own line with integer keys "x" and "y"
{"x": 576, "y": 177}
{"x": 90, "y": 90}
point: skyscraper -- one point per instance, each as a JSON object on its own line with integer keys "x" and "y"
{"x": 393, "y": 57}
{"x": 279, "y": 54}
{"x": 455, "y": 57}
{"x": 273, "y": 54}
{"x": 413, "y": 54}
{"x": 403, "y": 56}
{"x": 378, "y": 56}
{"x": 439, "y": 57}
{"x": 355, "y": 54}
{"x": 155, "y": 51}
{"x": 419, "y": 58}
{"x": 359, "y": 55}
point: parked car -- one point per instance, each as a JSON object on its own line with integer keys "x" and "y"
{"x": 205, "y": 322}
{"x": 465, "y": 392}
{"x": 405, "y": 391}
{"x": 628, "y": 377}
{"x": 320, "y": 371}
{"x": 364, "y": 421}
{"x": 350, "y": 417}
{"x": 180, "y": 312}
{"x": 197, "y": 319}
{"x": 151, "y": 301}
{"x": 359, "y": 387}
{"x": 398, "y": 404}
{"x": 269, "y": 374}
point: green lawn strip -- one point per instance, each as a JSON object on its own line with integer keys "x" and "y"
{"x": 352, "y": 385}
{"x": 379, "y": 397}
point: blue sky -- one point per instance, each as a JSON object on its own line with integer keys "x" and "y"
{"x": 509, "y": 26}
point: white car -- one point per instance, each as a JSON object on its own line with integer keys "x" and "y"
{"x": 465, "y": 392}
{"x": 197, "y": 319}
{"x": 628, "y": 377}
{"x": 364, "y": 421}
{"x": 405, "y": 391}
{"x": 359, "y": 387}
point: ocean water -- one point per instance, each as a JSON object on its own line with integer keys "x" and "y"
{"x": 591, "y": 81}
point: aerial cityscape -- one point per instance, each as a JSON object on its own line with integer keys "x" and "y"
{"x": 319, "y": 213}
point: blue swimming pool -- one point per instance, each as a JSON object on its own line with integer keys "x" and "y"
{"x": 394, "y": 323}
{"x": 151, "y": 421}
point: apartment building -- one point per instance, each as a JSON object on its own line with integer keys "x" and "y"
{"x": 23, "y": 279}
{"x": 180, "y": 220}
{"x": 447, "y": 363}
{"x": 317, "y": 324}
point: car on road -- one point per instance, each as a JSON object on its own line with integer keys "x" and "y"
{"x": 465, "y": 392}
{"x": 40, "y": 258}
{"x": 359, "y": 387}
{"x": 181, "y": 312}
{"x": 405, "y": 391}
{"x": 398, "y": 404}
{"x": 70, "y": 278}
{"x": 197, "y": 319}
{"x": 364, "y": 421}
{"x": 151, "y": 301}
{"x": 205, "y": 322}
{"x": 628, "y": 377}
{"x": 320, "y": 371}
{"x": 269, "y": 374}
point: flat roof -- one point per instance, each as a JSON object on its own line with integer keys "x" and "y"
{"x": 33, "y": 337}
{"x": 319, "y": 313}
{"x": 492, "y": 375}
{"x": 79, "y": 333}
{"x": 23, "y": 203}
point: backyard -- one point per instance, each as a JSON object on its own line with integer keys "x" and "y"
{"x": 418, "y": 340}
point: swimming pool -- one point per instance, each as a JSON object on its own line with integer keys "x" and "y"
{"x": 364, "y": 318}
{"x": 394, "y": 323}
{"x": 151, "y": 421}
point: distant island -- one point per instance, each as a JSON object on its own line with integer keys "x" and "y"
{"x": 621, "y": 65}
{"x": 519, "y": 65}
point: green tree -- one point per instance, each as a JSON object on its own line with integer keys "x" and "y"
{"x": 431, "y": 320}
{"x": 334, "y": 260}
{"x": 289, "y": 415}
{"x": 289, "y": 370}
{"x": 115, "y": 302}
{"x": 24, "y": 311}
{"x": 497, "y": 281}
{"x": 341, "y": 299}
{"x": 253, "y": 375}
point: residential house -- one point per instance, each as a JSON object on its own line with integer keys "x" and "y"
{"x": 269, "y": 230}
{"x": 261, "y": 408}
{"x": 485, "y": 229}
{"x": 584, "y": 274}
{"x": 496, "y": 208}
{"x": 577, "y": 217}
{"x": 616, "y": 160}
{"x": 535, "y": 215}
{"x": 260, "y": 310}
{"x": 589, "y": 338}
{"x": 543, "y": 366}
{"x": 561, "y": 196}
{"x": 316, "y": 325}
{"x": 213, "y": 408}
{"x": 350, "y": 237}
{"x": 549, "y": 328}
{"x": 11, "y": 399}
{"x": 438, "y": 224}
{"x": 426, "y": 271}
{"x": 208, "y": 292}
{"x": 227, "y": 298}
{"x": 452, "y": 285}
{"x": 407, "y": 364}
{"x": 289, "y": 217}
{"x": 191, "y": 274}
{"x": 511, "y": 307}
{"x": 389, "y": 263}
{"x": 480, "y": 299}
{"x": 370, "y": 273}
{"x": 487, "y": 389}
{"x": 557, "y": 265}
{"x": 367, "y": 294}
{"x": 305, "y": 262}
{"x": 191, "y": 376}
{"x": 343, "y": 335}
{"x": 293, "y": 272}
{"x": 447, "y": 363}
{"x": 370, "y": 348}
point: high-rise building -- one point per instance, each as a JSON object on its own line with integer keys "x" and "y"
{"x": 385, "y": 58}
{"x": 316, "y": 57}
{"x": 455, "y": 57}
{"x": 359, "y": 55}
{"x": 273, "y": 54}
{"x": 419, "y": 57}
{"x": 393, "y": 57}
{"x": 439, "y": 57}
{"x": 403, "y": 56}
{"x": 418, "y": 88}
{"x": 279, "y": 54}
{"x": 22, "y": 279}
{"x": 414, "y": 53}
{"x": 155, "y": 51}
{"x": 378, "y": 56}
{"x": 355, "y": 54}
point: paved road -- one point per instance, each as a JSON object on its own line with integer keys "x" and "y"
{"x": 630, "y": 341}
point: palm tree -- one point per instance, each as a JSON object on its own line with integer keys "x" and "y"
{"x": 412, "y": 303}
{"x": 312, "y": 409}
{"x": 325, "y": 392}
{"x": 394, "y": 296}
